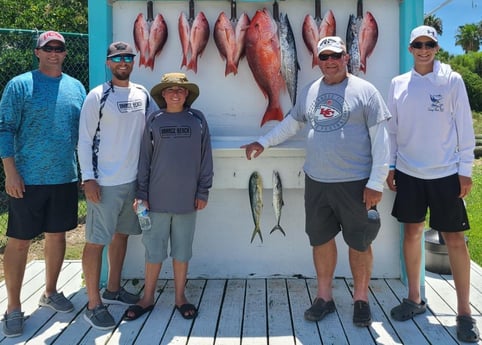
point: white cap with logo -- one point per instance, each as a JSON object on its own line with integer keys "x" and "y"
{"x": 423, "y": 30}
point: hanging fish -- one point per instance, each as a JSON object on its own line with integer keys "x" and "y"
{"x": 264, "y": 60}
{"x": 256, "y": 200}
{"x": 184, "y": 29}
{"x": 240, "y": 30}
{"x": 367, "y": 39}
{"x": 352, "y": 39}
{"x": 278, "y": 202}
{"x": 314, "y": 29}
{"x": 289, "y": 57}
{"x": 150, "y": 35}
{"x": 225, "y": 39}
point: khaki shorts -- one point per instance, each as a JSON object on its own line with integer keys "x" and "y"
{"x": 114, "y": 213}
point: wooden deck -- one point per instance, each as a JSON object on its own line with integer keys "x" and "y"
{"x": 248, "y": 312}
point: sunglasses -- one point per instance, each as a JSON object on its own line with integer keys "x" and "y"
{"x": 49, "y": 49}
{"x": 119, "y": 58}
{"x": 334, "y": 56}
{"x": 426, "y": 45}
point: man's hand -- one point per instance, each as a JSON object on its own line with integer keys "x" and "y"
{"x": 465, "y": 185}
{"x": 92, "y": 191}
{"x": 391, "y": 180}
{"x": 371, "y": 197}
{"x": 253, "y": 150}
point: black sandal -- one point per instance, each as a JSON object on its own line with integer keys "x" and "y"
{"x": 188, "y": 311}
{"x": 137, "y": 312}
{"x": 319, "y": 309}
{"x": 467, "y": 329}
{"x": 407, "y": 310}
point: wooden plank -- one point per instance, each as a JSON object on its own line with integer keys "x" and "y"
{"x": 331, "y": 329}
{"x": 280, "y": 330}
{"x": 204, "y": 328}
{"x": 128, "y": 331}
{"x": 255, "y": 323}
{"x": 158, "y": 321}
{"x": 179, "y": 329}
{"x": 231, "y": 316}
{"x": 305, "y": 332}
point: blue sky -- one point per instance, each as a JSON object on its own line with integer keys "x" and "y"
{"x": 454, "y": 14}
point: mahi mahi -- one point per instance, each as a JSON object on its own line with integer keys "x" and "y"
{"x": 277, "y": 201}
{"x": 256, "y": 201}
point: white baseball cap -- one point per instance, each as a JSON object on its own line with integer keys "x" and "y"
{"x": 331, "y": 43}
{"x": 423, "y": 30}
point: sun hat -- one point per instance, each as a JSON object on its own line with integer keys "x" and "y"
{"x": 120, "y": 48}
{"x": 331, "y": 43}
{"x": 423, "y": 30}
{"x": 174, "y": 79}
{"x": 48, "y": 36}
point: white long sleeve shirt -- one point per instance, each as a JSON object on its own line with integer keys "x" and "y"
{"x": 431, "y": 131}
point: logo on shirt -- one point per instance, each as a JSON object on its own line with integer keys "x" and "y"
{"x": 175, "y": 132}
{"x": 327, "y": 113}
{"x": 437, "y": 103}
{"x": 130, "y": 106}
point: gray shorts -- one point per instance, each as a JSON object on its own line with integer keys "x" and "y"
{"x": 114, "y": 213}
{"x": 334, "y": 207}
{"x": 175, "y": 229}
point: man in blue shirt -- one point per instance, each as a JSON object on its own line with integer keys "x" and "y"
{"x": 39, "y": 120}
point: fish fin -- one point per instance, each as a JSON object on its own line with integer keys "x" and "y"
{"x": 256, "y": 230}
{"x": 275, "y": 114}
{"x": 150, "y": 63}
{"x": 278, "y": 227}
{"x": 192, "y": 65}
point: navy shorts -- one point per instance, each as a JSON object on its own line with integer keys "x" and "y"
{"x": 334, "y": 207}
{"x": 414, "y": 196}
{"x": 43, "y": 208}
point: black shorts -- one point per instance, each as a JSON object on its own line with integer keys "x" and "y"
{"x": 414, "y": 196}
{"x": 43, "y": 208}
{"x": 334, "y": 207}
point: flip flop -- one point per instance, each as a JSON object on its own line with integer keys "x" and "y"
{"x": 187, "y": 310}
{"x": 137, "y": 310}
{"x": 467, "y": 329}
{"x": 407, "y": 310}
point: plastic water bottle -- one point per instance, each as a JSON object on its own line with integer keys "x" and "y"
{"x": 373, "y": 215}
{"x": 143, "y": 215}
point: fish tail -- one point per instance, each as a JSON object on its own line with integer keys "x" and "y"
{"x": 192, "y": 65}
{"x": 275, "y": 114}
{"x": 231, "y": 68}
{"x": 257, "y": 230}
{"x": 150, "y": 63}
{"x": 363, "y": 68}
{"x": 184, "y": 61}
{"x": 278, "y": 227}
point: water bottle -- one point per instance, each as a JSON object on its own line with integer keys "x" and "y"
{"x": 373, "y": 219}
{"x": 143, "y": 215}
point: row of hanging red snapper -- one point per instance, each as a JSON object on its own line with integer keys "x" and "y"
{"x": 266, "y": 40}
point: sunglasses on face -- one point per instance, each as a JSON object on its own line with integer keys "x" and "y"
{"x": 334, "y": 56}
{"x": 49, "y": 49}
{"x": 125, "y": 58}
{"x": 426, "y": 45}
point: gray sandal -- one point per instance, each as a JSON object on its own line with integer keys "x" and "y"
{"x": 407, "y": 310}
{"x": 467, "y": 329}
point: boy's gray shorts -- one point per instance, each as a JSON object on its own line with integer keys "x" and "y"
{"x": 169, "y": 228}
{"x": 114, "y": 213}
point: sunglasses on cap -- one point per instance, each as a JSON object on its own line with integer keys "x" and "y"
{"x": 119, "y": 58}
{"x": 334, "y": 56}
{"x": 426, "y": 45}
{"x": 49, "y": 49}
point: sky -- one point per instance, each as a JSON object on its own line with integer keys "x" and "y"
{"x": 453, "y": 15}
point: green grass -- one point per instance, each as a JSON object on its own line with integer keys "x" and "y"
{"x": 474, "y": 200}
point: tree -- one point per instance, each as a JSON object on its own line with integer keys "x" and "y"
{"x": 469, "y": 37}
{"x": 434, "y": 22}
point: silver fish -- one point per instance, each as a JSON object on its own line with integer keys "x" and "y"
{"x": 352, "y": 44}
{"x": 289, "y": 57}
{"x": 277, "y": 201}
{"x": 256, "y": 201}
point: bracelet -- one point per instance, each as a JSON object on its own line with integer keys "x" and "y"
{"x": 391, "y": 167}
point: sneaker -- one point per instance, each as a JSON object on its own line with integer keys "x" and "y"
{"x": 57, "y": 302}
{"x": 12, "y": 324}
{"x": 362, "y": 316}
{"x": 99, "y": 317}
{"x": 121, "y": 297}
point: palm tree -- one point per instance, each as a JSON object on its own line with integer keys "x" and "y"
{"x": 434, "y": 22}
{"x": 469, "y": 37}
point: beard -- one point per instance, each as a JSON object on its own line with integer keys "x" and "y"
{"x": 122, "y": 75}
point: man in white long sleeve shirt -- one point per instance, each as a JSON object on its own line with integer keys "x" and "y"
{"x": 431, "y": 156}
{"x": 345, "y": 169}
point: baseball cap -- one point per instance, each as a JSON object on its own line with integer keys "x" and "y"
{"x": 423, "y": 30}
{"x": 120, "y": 48}
{"x": 48, "y": 36}
{"x": 331, "y": 43}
